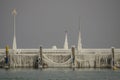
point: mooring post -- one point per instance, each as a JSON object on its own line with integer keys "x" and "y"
{"x": 41, "y": 62}
{"x": 7, "y": 52}
{"x": 7, "y": 57}
{"x": 73, "y": 56}
{"x": 95, "y": 62}
{"x": 113, "y": 54}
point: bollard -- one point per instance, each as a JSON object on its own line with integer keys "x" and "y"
{"x": 40, "y": 62}
{"x": 7, "y": 52}
{"x": 41, "y": 54}
{"x": 6, "y": 66}
{"x": 73, "y": 56}
{"x": 113, "y": 54}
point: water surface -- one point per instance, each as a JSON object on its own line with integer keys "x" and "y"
{"x": 59, "y": 74}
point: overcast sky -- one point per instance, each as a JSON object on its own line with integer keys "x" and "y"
{"x": 43, "y": 22}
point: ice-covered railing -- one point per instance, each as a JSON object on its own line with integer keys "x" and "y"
{"x": 2, "y": 50}
{"x": 28, "y": 50}
{"x": 56, "y": 50}
{"x": 44, "y": 50}
{"x": 60, "y": 51}
{"x": 98, "y": 51}
{"x": 63, "y": 51}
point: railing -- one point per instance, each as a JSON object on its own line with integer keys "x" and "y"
{"x": 62, "y": 51}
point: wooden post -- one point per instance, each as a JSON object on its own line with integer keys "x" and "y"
{"x": 41, "y": 52}
{"x": 41, "y": 55}
{"x": 7, "y": 52}
{"x": 113, "y": 54}
{"x": 7, "y": 58}
{"x": 95, "y": 62}
{"x": 73, "y": 56}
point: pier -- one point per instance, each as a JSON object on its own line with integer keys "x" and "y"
{"x": 46, "y": 58}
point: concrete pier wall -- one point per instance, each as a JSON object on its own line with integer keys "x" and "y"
{"x": 22, "y": 60}
{"x": 93, "y": 60}
{"x": 63, "y": 58}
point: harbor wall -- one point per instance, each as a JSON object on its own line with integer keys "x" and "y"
{"x": 63, "y": 58}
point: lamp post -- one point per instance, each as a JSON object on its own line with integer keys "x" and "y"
{"x": 14, "y": 13}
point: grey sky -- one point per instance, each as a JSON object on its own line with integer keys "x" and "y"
{"x": 43, "y": 22}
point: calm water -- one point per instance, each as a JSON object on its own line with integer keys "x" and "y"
{"x": 59, "y": 74}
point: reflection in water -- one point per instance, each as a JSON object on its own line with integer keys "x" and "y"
{"x": 59, "y": 74}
